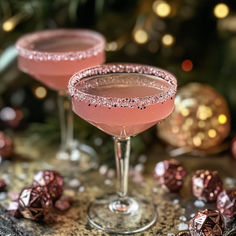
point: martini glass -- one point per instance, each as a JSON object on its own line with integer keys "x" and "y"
{"x": 52, "y": 57}
{"x": 122, "y": 100}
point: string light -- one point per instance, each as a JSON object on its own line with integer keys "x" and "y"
{"x": 187, "y": 65}
{"x": 40, "y": 92}
{"x": 168, "y": 40}
{"x": 140, "y": 36}
{"x": 221, "y": 10}
{"x": 161, "y": 8}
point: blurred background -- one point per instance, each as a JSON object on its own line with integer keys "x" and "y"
{"x": 193, "y": 39}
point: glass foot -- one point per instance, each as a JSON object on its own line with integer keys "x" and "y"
{"x": 79, "y": 155}
{"x": 128, "y": 216}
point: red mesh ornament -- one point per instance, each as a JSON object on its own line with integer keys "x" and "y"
{"x": 206, "y": 185}
{"x": 6, "y": 146}
{"x": 226, "y": 202}
{"x": 52, "y": 181}
{"x": 34, "y": 203}
{"x": 207, "y": 223}
{"x": 169, "y": 174}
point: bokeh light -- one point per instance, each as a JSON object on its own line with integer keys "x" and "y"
{"x": 187, "y": 65}
{"x": 40, "y": 92}
{"x": 211, "y": 133}
{"x": 140, "y": 36}
{"x": 168, "y": 40}
{"x": 161, "y": 8}
{"x": 222, "y": 119}
{"x": 221, "y": 10}
{"x": 8, "y": 26}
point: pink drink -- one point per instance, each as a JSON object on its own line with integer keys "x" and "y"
{"x": 128, "y": 110}
{"x": 53, "y": 56}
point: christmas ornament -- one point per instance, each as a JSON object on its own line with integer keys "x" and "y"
{"x": 6, "y": 146}
{"x": 233, "y": 147}
{"x": 11, "y": 116}
{"x": 62, "y": 205}
{"x": 226, "y": 203}
{"x": 53, "y": 182}
{"x": 207, "y": 223}
{"x": 206, "y": 185}
{"x": 34, "y": 203}
{"x": 13, "y": 209}
{"x": 201, "y": 119}
{"x": 169, "y": 174}
{"x": 2, "y": 185}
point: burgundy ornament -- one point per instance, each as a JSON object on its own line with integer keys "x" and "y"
{"x": 233, "y": 147}
{"x": 169, "y": 174}
{"x": 2, "y": 185}
{"x": 13, "y": 209}
{"x": 226, "y": 202}
{"x": 34, "y": 203}
{"x": 6, "y": 145}
{"x": 206, "y": 185}
{"x": 207, "y": 223}
{"x": 52, "y": 181}
{"x": 62, "y": 205}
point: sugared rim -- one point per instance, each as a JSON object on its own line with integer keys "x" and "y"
{"x": 140, "y": 102}
{"x": 24, "y": 41}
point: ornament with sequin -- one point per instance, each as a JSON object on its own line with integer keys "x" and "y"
{"x": 226, "y": 203}
{"x": 6, "y": 146}
{"x": 34, "y": 203}
{"x": 53, "y": 182}
{"x": 206, "y": 185}
{"x": 200, "y": 121}
{"x": 207, "y": 223}
{"x": 169, "y": 174}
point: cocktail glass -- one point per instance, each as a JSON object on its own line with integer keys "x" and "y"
{"x": 52, "y": 57}
{"x": 122, "y": 100}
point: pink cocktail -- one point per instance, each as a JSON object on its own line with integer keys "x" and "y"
{"x": 122, "y": 100}
{"x": 52, "y": 56}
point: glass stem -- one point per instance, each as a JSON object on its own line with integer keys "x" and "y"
{"x": 122, "y": 153}
{"x": 66, "y": 120}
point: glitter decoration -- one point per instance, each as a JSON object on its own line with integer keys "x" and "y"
{"x": 206, "y": 185}
{"x": 226, "y": 203}
{"x": 201, "y": 119}
{"x": 52, "y": 181}
{"x": 169, "y": 174}
{"x": 207, "y": 222}
{"x": 34, "y": 203}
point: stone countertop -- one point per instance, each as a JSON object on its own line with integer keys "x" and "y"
{"x": 174, "y": 210}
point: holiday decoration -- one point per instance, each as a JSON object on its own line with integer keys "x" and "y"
{"x": 52, "y": 181}
{"x": 11, "y": 116}
{"x": 169, "y": 174}
{"x": 206, "y": 185}
{"x": 13, "y": 209}
{"x": 2, "y": 185}
{"x": 233, "y": 147}
{"x": 226, "y": 203}
{"x": 201, "y": 118}
{"x": 6, "y": 145}
{"x": 34, "y": 203}
{"x": 207, "y": 222}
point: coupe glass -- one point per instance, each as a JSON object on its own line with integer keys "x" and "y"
{"x": 52, "y": 57}
{"x": 122, "y": 100}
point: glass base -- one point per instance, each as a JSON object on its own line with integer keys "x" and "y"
{"x": 82, "y": 156}
{"x": 127, "y": 216}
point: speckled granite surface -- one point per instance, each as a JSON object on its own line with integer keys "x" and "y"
{"x": 174, "y": 210}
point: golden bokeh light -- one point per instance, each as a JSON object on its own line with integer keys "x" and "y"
{"x": 222, "y": 119}
{"x": 161, "y": 8}
{"x": 168, "y": 40}
{"x": 40, "y": 92}
{"x": 204, "y": 112}
{"x": 211, "y": 133}
{"x": 8, "y": 26}
{"x": 140, "y": 36}
{"x": 197, "y": 141}
{"x": 221, "y": 10}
